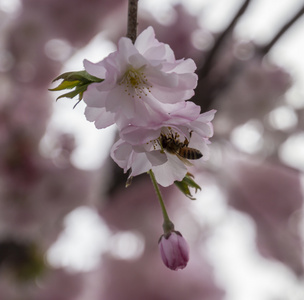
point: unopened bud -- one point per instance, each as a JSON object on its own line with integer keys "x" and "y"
{"x": 174, "y": 250}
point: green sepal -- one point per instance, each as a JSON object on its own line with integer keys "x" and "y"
{"x": 65, "y": 85}
{"x": 78, "y": 76}
{"x": 80, "y": 80}
{"x": 79, "y": 90}
{"x": 186, "y": 184}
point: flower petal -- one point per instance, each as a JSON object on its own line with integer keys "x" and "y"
{"x": 139, "y": 135}
{"x": 93, "y": 97}
{"x": 141, "y": 164}
{"x": 123, "y": 154}
{"x": 96, "y": 69}
{"x": 172, "y": 170}
{"x": 151, "y": 48}
{"x": 100, "y": 116}
{"x": 174, "y": 250}
{"x": 118, "y": 101}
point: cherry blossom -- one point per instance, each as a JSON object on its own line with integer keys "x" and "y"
{"x": 142, "y": 82}
{"x": 141, "y": 149}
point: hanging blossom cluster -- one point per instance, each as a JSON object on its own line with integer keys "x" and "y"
{"x": 143, "y": 90}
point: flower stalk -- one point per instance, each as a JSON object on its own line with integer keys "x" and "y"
{"x": 132, "y": 20}
{"x": 168, "y": 226}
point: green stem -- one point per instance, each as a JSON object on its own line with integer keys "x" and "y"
{"x": 168, "y": 226}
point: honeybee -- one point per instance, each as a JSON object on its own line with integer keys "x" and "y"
{"x": 172, "y": 145}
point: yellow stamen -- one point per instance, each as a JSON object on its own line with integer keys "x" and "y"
{"x": 135, "y": 82}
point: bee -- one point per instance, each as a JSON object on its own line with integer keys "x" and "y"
{"x": 172, "y": 145}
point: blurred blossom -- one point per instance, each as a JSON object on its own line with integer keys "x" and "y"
{"x": 248, "y": 137}
{"x": 271, "y": 195}
{"x": 202, "y": 39}
{"x": 146, "y": 278}
{"x": 243, "y": 50}
{"x": 58, "y": 284}
{"x": 253, "y": 93}
{"x": 291, "y": 151}
{"x": 283, "y": 118}
{"x": 6, "y": 60}
{"x": 79, "y": 246}
{"x": 54, "y": 284}
{"x": 10, "y": 6}
{"x": 58, "y": 49}
{"x": 119, "y": 213}
{"x": 52, "y": 192}
{"x": 127, "y": 245}
{"x": 295, "y": 97}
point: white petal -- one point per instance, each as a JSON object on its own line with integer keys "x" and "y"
{"x": 151, "y": 48}
{"x": 122, "y": 154}
{"x": 185, "y": 111}
{"x": 157, "y": 158}
{"x": 207, "y": 116}
{"x": 172, "y": 170}
{"x": 171, "y": 95}
{"x": 137, "y": 61}
{"x": 139, "y": 135}
{"x": 141, "y": 164}
{"x": 159, "y": 78}
{"x": 119, "y": 101}
{"x": 93, "y": 97}
{"x": 145, "y": 40}
{"x": 184, "y": 66}
{"x": 98, "y": 70}
{"x": 100, "y": 116}
{"x": 126, "y": 49}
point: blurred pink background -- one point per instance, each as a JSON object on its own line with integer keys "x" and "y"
{"x": 69, "y": 229}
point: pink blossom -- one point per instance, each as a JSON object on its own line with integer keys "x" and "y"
{"x": 174, "y": 250}
{"x": 141, "y": 149}
{"x": 141, "y": 81}
{"x": 272, "y": 196}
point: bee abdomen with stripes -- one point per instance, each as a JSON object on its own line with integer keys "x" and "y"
{"x": 190, "y": 153}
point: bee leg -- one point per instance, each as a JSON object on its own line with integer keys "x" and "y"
{"x": 161, "y": 145}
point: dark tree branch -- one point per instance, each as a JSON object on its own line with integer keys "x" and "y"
{"x": 209, "y": 87}
{"x": 203, "y": 72}
{"x": 265, "y": 49}
{"x": 132, "y": 20}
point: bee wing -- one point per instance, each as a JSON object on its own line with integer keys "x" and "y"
{"x": 184, "y": 160}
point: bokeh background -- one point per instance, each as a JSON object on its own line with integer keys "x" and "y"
{"x": 70, "y": 230}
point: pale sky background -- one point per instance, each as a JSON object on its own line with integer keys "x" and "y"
{"x": 238, "y": 268}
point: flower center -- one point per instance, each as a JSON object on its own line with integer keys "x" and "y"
{"x": 135, "y": 83}
{"x": 167, "y": 140}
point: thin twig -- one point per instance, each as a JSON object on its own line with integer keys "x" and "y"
{"x": 132, "y": 20}
{"x": 265, "y": 49}
{"x": 203, "y": 72}
{"x": 168, "y": 226}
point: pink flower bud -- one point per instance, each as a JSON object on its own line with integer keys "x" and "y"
{"x": 174, "y": 250}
